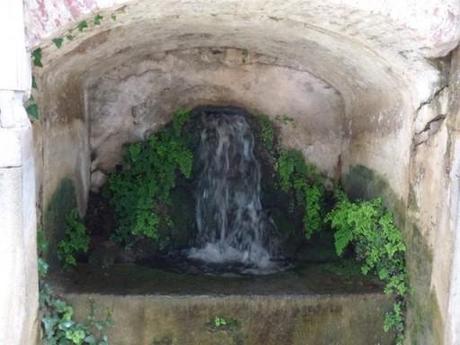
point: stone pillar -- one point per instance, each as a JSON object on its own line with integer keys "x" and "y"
{"x": 18, "y": 258}
{"x": 453, "y": 316}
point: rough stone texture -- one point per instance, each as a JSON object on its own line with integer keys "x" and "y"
{"x": 453, "y": 205}
{"x": 262, "y": 320}
{"x": 18, "y": 260}
{"x": 392, "y": 113}
{"x": 134, "y": 99}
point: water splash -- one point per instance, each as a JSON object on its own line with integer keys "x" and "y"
{"x": 232, "y": 226}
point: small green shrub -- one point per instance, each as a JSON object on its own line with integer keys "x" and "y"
{"x": 76, "y": 240}
{"x": 141, "y": 189}
{"x": 378, "y": 245}
{"x": 304, "y": 184}
{"x": 223, "y": 323}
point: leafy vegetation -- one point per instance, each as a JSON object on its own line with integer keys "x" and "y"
{"x": 98, "y": 19}
{"x": 304, "y": 184}
{"x": 82, "y": 25}
{"x": 378, "y": 244}
{"x": 58, "y": 41}
{"x": 141, "y": 189}
{"x": 32, "y": 109}
{"x": 37, "y": 57}
{"x": 266, "y": 132}
{"x": 76, "y": 240}
{"x": 57, "y": 316}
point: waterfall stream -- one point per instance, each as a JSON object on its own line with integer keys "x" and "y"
{"x": 232, "y": 226}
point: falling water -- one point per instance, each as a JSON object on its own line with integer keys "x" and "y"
{"x": 232, "y": 226}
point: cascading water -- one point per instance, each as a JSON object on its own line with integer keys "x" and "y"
{"x": 232, "y": 226}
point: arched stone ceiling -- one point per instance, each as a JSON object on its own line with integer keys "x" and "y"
{"x": 373, "y": 53}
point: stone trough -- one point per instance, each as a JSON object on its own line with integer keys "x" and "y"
{"x": 312, "y": 305}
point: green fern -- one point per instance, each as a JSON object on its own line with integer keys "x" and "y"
{"x": 76, "y": 240}
{"x": 378, "y": 245}
{"x": 146, "y": 179}
{"x": 304, "y": 184}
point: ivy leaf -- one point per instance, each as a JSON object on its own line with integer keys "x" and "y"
{"x": 98, "y": 19}
{"x": 32, "y": 110}
{"x": 34, "y": 83}
{"x": 37, "y": 57}
{"x": 58, "y": 41}
{"x": 82, "y": 25}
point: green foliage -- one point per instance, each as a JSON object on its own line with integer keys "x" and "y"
{"x": 223, "y": 323}
{"x": 60, "y": 328}
{"x": 37, "y": 57}
{"x": 98, "y": 19}
{"x": 266, "y": 132}
{"x": 57, "y": 316}
{"x": 32, "y": 109}
{"x": 34, "y": 83}
{"x": 378, "y": 245}
{"x": 76, "y": 240}
{"x": 58, "y": 41}
{"x": 304, "y": 184}
{"x": 82, "y": 25}
{"x": 141, "y": 189}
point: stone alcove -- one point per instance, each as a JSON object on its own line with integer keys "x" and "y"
{"x": 355, "y": 90}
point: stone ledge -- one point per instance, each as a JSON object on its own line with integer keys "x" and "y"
{"x": 254, "y": 320}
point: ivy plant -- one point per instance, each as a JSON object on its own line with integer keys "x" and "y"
{"x": 32, "y": 109}
{"x": 58, "y": 324}
{"x": 141, "y": 188}
{"x": 37, "y": 57}
{"x": 76, "y": 240}
{"x": 58, "y": 41}
{"x": 378, "y": 244}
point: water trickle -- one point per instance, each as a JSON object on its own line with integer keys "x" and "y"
{"x": 232, "y": 226}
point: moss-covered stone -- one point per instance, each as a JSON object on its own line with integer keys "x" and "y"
{"x": 424, "y": 320}
{"x": 361, "y": 182}
{"x": 262, "y": 320}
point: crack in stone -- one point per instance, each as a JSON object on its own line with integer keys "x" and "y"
{"x": 430, "y": 128}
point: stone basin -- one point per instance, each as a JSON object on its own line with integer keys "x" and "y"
{"x": 315, "y": 304}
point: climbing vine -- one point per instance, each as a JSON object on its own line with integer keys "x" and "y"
{"x": 141, "y": 188}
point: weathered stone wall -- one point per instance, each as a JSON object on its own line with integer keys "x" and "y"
{"x": 134, "y": 99}
{"x": 18, "y": 259}
{"x": 260, "y": 320}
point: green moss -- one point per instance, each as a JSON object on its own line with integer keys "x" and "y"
{"x": 362, "y": 183}
{"x": 424, "y": 320}
{"x": 266, "y": 132}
